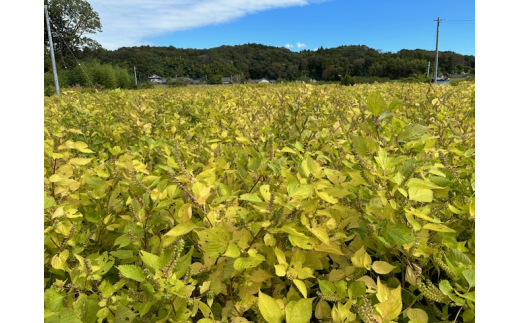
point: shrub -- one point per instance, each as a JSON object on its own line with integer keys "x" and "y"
{"x": 146, "y": 85}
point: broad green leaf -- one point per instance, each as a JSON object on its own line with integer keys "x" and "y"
{"x": 382, "y": 267}
{"x": 323, "y": 310}
{"x": 420, "y": 194}
{"x": 357, "y": 289}
{"x": 183, "y": 263}
{"x": 468, "y": 315}
{"x": 412, "y": 132}
{"x": 181, "y": 229}
{"x": 250, "y": 197}
{"x": 445, "y": 287}
{"x": 232, "y": 251}
{"x": 417, "y": 314}
{"x": 64, "y": 315}
{"x": 248, "y": 262}
{"x": 269, "y": 308}
{"x": 150, "y": 260}
{"x": 132, "y": 272}
{"x": 326, "y": 287}
{"x": 214, "y": 241}
{"x": 53, "y": 300}
{"x": 469, "y": 274}
{"x": 122, "y": 254}
{"x": 307, "y": 243}
{"x": 86, "y": 307}
{"x": 124, "y": 315}
{"x": 302, "y": 192}
{"x": 376, "y": 103}
{"x": 48, "y": 202}
{"x": 398, "y": 234}
{"x": 419, "y": 183}
{"x": 299, "y": 312}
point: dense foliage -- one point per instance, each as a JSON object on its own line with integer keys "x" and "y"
{"x": 261, "y": 203}
{"x": 256, "y": 61}
{"x": 92, "y": 74}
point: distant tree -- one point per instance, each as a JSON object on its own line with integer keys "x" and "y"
{"x": 276, "y": 70}
{"x": 215, "y": 79}
{"x": 70, "y": 21}
{"x": 347, "y": 80}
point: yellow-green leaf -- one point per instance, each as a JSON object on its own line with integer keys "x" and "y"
{"x": 438, "y": 227}
{"x": 302, "y": 192}
{"x": 232, "y": 251}
{"x": 201, "y": 192}
{"x": 83, "y": 147}
{"x": 80, "y": 161}
{"x": 301, "y": 287}
{"x": 361, "y": 258}
{"x": 181, "y": 229}
{"x": 382, "y": 267}
{"x": 420, "y": 194}
{"x": 417, "y": 314}
{"x": 132, "y": 272}
{"x": 326, "y": 197}
{"x": 299, "y": 312}
{"x": 269, "y": 308}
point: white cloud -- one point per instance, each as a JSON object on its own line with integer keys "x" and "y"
{"x": 300, "y": 45}
{"x": 132, "y": 22}
{"x": 289, "y": 45}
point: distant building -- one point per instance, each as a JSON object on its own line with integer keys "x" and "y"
{"x": 262, "y": 81}
{"x": 156, "y": 79}
{"x": 227, "y": 80}
{"x": 442, "y": 80}
{"x": 459, "y": 76}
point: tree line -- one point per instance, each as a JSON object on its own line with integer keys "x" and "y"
{"x": 253, "y": 61}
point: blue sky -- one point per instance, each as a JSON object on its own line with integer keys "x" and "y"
{"x": 296, "y": 24}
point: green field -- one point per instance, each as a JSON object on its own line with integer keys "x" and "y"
{"x": 275, "y": 203}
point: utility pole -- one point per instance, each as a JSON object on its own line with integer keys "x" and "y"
{"x": 437, "y": 50}
{"x": 54, "y": 72}
{"x": 135, "y": 75}
{"x": 428, "y": 73}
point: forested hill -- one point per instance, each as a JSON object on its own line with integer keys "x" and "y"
{"x": 257, "y": 61}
